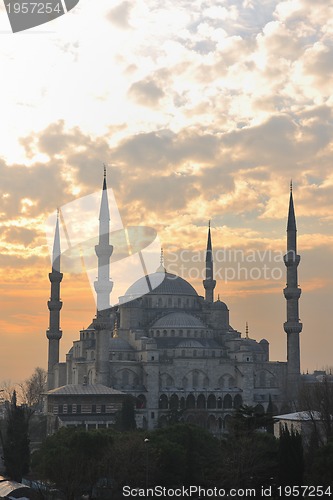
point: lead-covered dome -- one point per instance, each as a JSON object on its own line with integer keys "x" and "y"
{"x": 160, "y": 283}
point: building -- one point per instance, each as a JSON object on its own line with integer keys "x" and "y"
{"x": 305, "y": 423}
{"x": 171, "y": 348}
{"x": 91, "y": 406}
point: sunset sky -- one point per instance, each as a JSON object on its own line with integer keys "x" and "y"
{"x": 201, "y": 110}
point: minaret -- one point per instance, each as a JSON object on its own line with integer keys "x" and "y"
{"x": 54, "y": 333}
{"x": 292, "y": 293}
{"x": 103, "y": 286}
{"x": 209, "y": 283}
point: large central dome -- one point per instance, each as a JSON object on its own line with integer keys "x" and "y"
{"x": 161, "y": 284}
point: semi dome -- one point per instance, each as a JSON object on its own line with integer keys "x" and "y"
{"x": 178, "y": 320}
{"x": 160, "y": 284}
{"x": 119, "y": 344}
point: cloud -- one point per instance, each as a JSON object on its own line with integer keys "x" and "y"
{"x": 146, "y": 93}
{"x": 119, "y": 15}
{"x": 19, "y": 235}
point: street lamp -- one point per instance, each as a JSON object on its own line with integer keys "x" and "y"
{"x": 146, "y": 441}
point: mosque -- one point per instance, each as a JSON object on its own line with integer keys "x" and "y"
{"x": 169, "y": 347}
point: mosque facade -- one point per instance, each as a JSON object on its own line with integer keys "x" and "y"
{"x": 170, "y": 348}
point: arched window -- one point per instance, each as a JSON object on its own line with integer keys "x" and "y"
{"x": 227, "y": 401}
{"x": 201, "y": 402}
{"x": 163, "y": 402}
{"x": 190, "y": 401}
{"x": 238, "y": 401}
{"x": 174, "y": 402}
{"x": 195, "y": 379}
{"x": 141, "y": 402}
{"x": 211, "y": 401}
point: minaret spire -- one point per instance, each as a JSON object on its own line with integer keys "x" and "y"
{"x": 209, "y": 283}
{"x": 103, "y": 285}
{"x": 54, "y": 332}
{"x": 292, "y": 293}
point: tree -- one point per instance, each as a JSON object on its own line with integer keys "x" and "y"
{"x": 73, "y": 459}
{"x": 291, "y": 460}
{"x": 15, "y": 443}
{"x": 33, "y": 388}
{"x": 321, "y": 472}
{"x": 6, "y": 389}
{"x": 250, "y": 456}
{"x": 125, "y": 419}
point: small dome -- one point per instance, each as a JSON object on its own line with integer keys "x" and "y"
{"x": 219, "y": 305}
{"x": 251, "y": 345}
{"x": 119, "y": 344}
{"x": 160, "y": 284}
{"x": 179, "y": 320}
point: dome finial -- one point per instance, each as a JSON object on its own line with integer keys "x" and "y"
{"x": 161, "y": 268}
{"x": 247, "y": 330}
{"x": 115, "y": 329}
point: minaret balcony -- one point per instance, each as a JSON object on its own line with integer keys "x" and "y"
{"x": 292, "y": 293}
{"x": 291, "y": 259}
{"x": 54, "y": 334}
{"x": 103, "y": 250}
{"x": 209, "y": 284}
{"x": 292, "y": 327}
{"x": 103, "y": 289}
{"x": 55, "y": 276}
{"x": 54, "y": 305}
